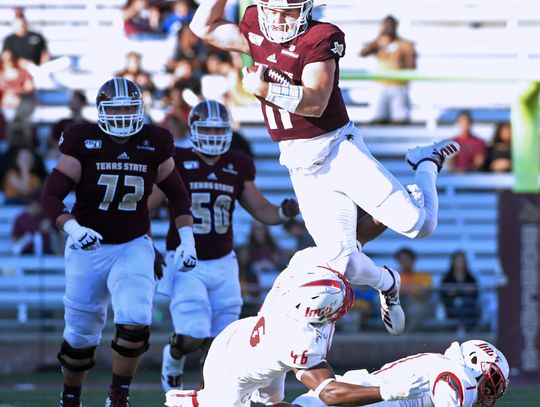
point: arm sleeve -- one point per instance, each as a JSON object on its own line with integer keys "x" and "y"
{"x": 56, "y": 188}
{"x": 174, "y": 189}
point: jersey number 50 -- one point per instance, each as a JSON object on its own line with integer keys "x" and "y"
{"x": 220, "y": 212}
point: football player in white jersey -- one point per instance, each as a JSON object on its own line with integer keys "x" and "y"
{"x": 474, "y": 373}
{"x": 248, "y": 361}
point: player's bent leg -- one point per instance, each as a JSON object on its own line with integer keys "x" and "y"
{"x": 174, "y": 358}
{"x": 129, "y": 343}
{"x": 391, "y": 311}
{"x": 75, "y": 364}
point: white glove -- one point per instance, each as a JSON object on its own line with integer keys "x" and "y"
{"x": 185, "y": 255}
{"x": 410, "y": 387}
{"x": 252, "y": 80}
{"x": 85, "y": 238}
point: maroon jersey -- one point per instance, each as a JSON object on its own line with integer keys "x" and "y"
{"x": 320, "y": 42}
{"x": 214, "y": 190}
{"x": 116, "y": 179}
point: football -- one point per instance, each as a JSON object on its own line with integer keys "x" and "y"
{"x": 271, "y": 74}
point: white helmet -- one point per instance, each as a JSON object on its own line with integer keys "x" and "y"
{"x": 210, "y": 128}
{"x": 490, "y": 368}
{"x": 282, "y": 30}
{"x": 120, "y": 93}
{"x": 318, "y": 295}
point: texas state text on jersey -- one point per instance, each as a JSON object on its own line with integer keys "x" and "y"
{"x": 214, "y": 190}
{"x": 321, "y": 41}
{"x": 116, "y": 179}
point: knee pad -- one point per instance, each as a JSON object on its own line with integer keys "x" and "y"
{"x": 141, "y": 334}
{"x": 77, "y": 354}
{"x": 182, "y": 345}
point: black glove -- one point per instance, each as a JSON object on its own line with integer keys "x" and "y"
{"x": 159, "y": 262}
{"x": 288, "y": 209}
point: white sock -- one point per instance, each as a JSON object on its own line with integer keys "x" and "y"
{"x": 361, "y": 270}
{"x": 426, "y": 175}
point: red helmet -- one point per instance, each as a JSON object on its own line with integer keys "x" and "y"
{"x": 282, "y": 20}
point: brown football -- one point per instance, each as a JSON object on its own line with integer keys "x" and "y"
{"x": 271, "y": 74}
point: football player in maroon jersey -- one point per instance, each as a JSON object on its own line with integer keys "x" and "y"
{"x": 206, "y": 300}
{"x": 332, "y": 171}
{"x": 112, "y": 165}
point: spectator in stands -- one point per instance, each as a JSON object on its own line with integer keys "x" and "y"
{"x": 141, "y": 19}
{"x": 298, "y": 231}
{"x": 28, "y": 46}
{"x": 180, "y": 15}
{"x": 499, "y": 153}
{"x": 416, "y": 292}
{"x": 3, "y": 124}
{"x": 259, "y": 261}
{"x": 459, "y": 292}
{"x": 134, "y": 72}
{"x": 33, "y": 232}
{"x": 183, "y": 76}
{"x": 8, "y": 156}
{"x": 473, "y": 149}
{"x": 188, "y": 47}
{"x": 18, "y": 102}
{"x": 20, "y": 180}
{"x": 176, "y": 117}
{"x": 393, "y": 53}
{"x": 77, "y": 102}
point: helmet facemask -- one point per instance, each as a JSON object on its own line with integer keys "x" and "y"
{"x": 491, "y": 386}
{"x": 122, "y": 124}
{"x": 211, "y": 138}
{"x": 283, "y": 20}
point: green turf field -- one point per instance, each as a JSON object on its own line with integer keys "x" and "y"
{"x": 523, "y": 397}
{"x": 43, "y": 390}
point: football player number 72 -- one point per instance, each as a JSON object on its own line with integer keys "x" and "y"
{"x": 130, "y": 199}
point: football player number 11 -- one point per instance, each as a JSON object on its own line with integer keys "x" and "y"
{"x": 285, "y": 117}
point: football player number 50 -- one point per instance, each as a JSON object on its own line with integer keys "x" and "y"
{"x": 130, "y": 199}
{"x": 221, "y": 213}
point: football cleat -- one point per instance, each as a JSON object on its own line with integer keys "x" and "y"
{"x": 391, "y": 312}
{"x": 436, "y": 152}
{"x": 181, "y": 398}
{"x": 70, "y": 402}
{"x": 118, "y": 400}
{"x": 171, "y": 370}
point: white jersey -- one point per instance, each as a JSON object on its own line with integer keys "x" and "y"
{"x": 450, "y": 383}
{"x": 253, "y": 354}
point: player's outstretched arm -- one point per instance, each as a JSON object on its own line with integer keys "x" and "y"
{"x": 263, "y": 210}
{"x": 321, "y": 380}
{"x": 209, "y": 25}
